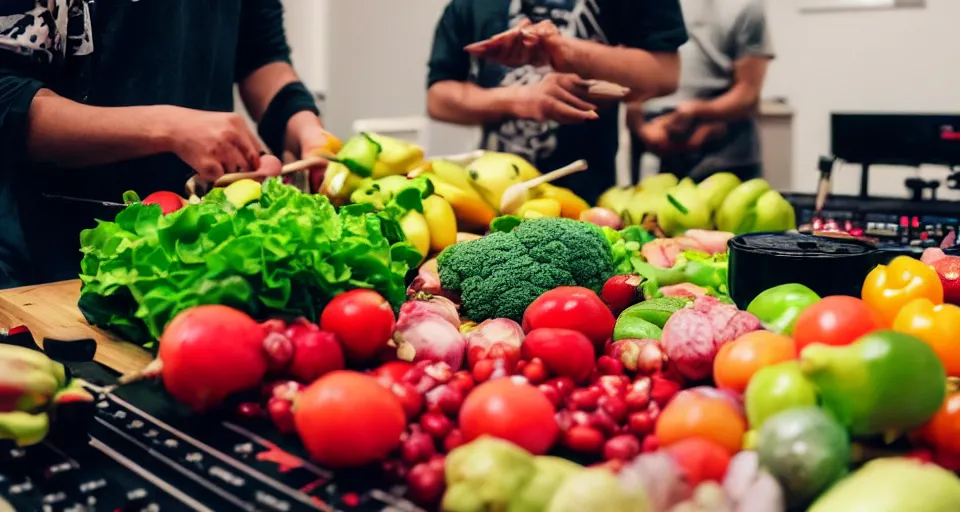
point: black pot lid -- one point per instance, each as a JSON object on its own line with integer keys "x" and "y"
{"x": 797, "y": 245}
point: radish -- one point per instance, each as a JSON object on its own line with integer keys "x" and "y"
{"x": 315, "y": 352}
{"x": 208, "y": 353}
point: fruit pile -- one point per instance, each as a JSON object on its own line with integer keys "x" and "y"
{"x": 719, "y": 202}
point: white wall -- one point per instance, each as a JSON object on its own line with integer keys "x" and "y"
{"x": 370, "y": 57}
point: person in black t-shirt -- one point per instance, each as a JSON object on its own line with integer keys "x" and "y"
{"x": 531, "y": 98}
{"x": 97, "y": 98}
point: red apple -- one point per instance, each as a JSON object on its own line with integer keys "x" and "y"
{"x": 168, "y": 201}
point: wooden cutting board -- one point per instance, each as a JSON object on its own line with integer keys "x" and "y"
{"x": 50, "y": 311}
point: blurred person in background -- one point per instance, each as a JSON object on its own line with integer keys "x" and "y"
{"x": 97, "y": 98}
{"x": 709, "y": 124}
{"x": 528, "y": 89}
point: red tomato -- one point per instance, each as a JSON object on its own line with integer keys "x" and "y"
{"x": 574, "y": 308}
{"x": 836, "y": 320}
{"x": 347, "y": 419}
{"x": 363, "y": 322}
{"x": 168, "y": 201}
{"x": 511, "y": 410}
{"x": 391, "y": 373}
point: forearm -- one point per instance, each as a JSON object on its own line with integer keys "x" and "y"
{"x": 259, "y": 88}
{"x": 646, "y": 74}
{"x": 738, "y": 103}
{"x": 71, "y": 135}
{"x": 468, "y": 104}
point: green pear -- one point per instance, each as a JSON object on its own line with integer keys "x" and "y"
{"x": 893, "y": 485}
{"x": 774, "y": 389}
{"x": 616, "y": 198}
{"x": 596, "y": 489}
{"x": 774, "y": 213}
{"x": 641, "y": 203}
{"x": 659, "y": 182}
{"x": 485, "y": 475}
{"x": 716, "y": 187}
{"x": 550, "y": 474}
{"x": 738, "y": 212}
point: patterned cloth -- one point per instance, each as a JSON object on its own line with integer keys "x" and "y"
{"x": 46, "y": 31}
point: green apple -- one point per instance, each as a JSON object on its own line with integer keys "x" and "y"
{"x": 683, "y": 210}
{"x": 658, "y": 182}
{"x": 715, "y": 188}
{"x": 754, "y": 207}
{"x": 775, "y": 389}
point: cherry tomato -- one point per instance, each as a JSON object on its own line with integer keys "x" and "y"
{"x": 347, "y": 419}
{"x": 942, "y": 432}
{"x": 737, "y": 361}
{"x": 363, "y": 322}
{"x": 695, "y": 413}
{"x": 836, "y": 320}
{"x": 391, "y": 373}
{"x": 511, "y": 410}
{"x": 571, "y": 307}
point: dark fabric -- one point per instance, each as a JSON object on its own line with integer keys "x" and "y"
{"x": 187, "y": 53}
{"x": 653, "y": 25}
{"x": 289, "y": 100}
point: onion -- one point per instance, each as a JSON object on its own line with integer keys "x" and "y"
{"x": 423, "y": 303}
{"x": 423, "y": 334}
{"x": 495, "y": 330}
{"x": 602, "y": 217}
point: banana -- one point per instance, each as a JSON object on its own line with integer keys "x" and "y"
{"x": 571, "y": 205}
{"x": 396, "y": 156}
{"x": 441, "y": 221}
{"x": 452, "y": 174}
{"x": 471, "y": 210}
{"x": 546, "y": 207}
{"x": 493, "y": 173}
{"x": 242, "y": 192}
{"x": 415, "y": 228}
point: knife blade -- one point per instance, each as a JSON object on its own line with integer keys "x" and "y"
{"x": 84, "y": 200}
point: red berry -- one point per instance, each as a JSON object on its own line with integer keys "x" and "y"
{"x": 483, "y": 370}
{"x": 584, "y": 399}
{"x": 416, "y": 447}
{"x": 641, "y": 423}
{"x": 453, "y": 440}
{"x": 586, "y": 440}
{"x": 604, "y": 423}
{"x": 436, "y": 424}
{"x": 551, "y": 393}
{"x": 638, "y": 394}
{"x": 462, "y": 381}
{"x": 439, "y": 371}
{"x": 425, "y": 485}
{"x": 281, "y": 413}
{"x": 613, "y": 406}
{"x": 564, "y": 385}
{"x": 609, "y": 366}
{"x": 613, "y": 385}
{"x": 621, "y": 292}
{"x": 650, "y": 444}
{"x": 250, "y": 410}
{"x": 623, "y": 447}
{"x": 535, "y": 371}
{"x": 662, "y": 390}
{"x": 411, "y": 400}
{"x": 444, "y": 399}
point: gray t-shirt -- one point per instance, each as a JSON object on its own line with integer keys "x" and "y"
{"x": 721, "y": 32}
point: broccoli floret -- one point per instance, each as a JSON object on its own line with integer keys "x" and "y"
{"x": 499, "y": 275}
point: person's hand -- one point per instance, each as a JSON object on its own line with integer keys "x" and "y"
{"x": 308, "y": 139}
{"x": 558, "y": 97}
{"x": 682, "y": 120}
{"x": 537, "y": 44}
{"x": 656, "y": 137}
{"x": 212, "y": 143}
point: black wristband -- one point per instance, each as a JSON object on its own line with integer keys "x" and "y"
{"x": 289, "y": 100}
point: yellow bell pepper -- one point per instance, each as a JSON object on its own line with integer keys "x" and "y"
{"x": 938, "y": 325}
{"x": 888, "y": 288}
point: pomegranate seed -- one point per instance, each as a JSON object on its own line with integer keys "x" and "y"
{"x": 650, "y": 444}
{"x": 604, "y": 423}
{"x": 500, "y": 369}
{"x": 584, "y": 399}
{"x": 453, "y": 440}
{"x": 622, "y": 447}
{"x": 586, "y": 440}
{"x": 272, "y": 325}
{"x": 279, "y": 351}
{"x": 444, "y": 399}
{"x": 483, "y": 370}
{"x": 653, "y": 409}
{"x": 417, "y": 447}
{"x": 281, "y": 413}
{"x": 436, "y": 424}
{"x": 564, "y": 385}
{"x": 535, "y": 371}
{"x": 564, "y": 420}
{"x": 462, "y": 381}
{"x": 651, "y": 358}
{"x": 425, "y": 485}
{"x": 614, "y": 385}
{"x": 440, "y": 372}
{"x": 580, "y": 418}
{"x": 662, "y": 389}
{"x": 551, "y": 393}
{"x": 614, "y": 406}
{"x": 410, "y": 399}
{"x": 414, "y": 374}
{"x": 438, "y": 462}
{"x": 641, "y": 423}
{"x": 609, "y": 366}
{"x": 638, "y": 394}
{"x": 521, "y": 364}
{"x": 250, "y": 410}
{"x": 505, "y": 351}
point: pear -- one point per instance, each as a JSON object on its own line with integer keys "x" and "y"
{"x": 550, "y": 473}
{"x": 893, "y": 485}
{"x": 617, "y": 198}
{"x": 659, "y": 182}
{"x": 715, "y": 188}
{"x": 684, "y": 209}
{"x": 485, "y": 475}
{"x": 596, "y": 489}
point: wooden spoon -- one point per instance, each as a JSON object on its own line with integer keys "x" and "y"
{"x": 515, "y": 195}
{"x": 300, "y": 165}
{"x": 602, "y": 90}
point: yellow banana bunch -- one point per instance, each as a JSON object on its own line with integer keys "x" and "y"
{"x": 450, "y": 182}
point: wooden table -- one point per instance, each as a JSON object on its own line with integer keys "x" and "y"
{"x": 50, "y": 311}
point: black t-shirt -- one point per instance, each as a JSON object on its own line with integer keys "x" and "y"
{"x": 652, "y": 25}
{"x": 111, "y": 53}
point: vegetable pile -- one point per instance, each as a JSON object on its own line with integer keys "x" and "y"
{"x": 286, "y": 253}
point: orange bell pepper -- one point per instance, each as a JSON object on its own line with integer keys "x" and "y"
{"x": 936, "y": 324}
{"x": 888, "y": 288}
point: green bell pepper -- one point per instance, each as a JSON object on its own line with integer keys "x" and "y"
{"x": 692, "y": 267}
{"x": 779, "y": 307}
{"x": 883, "y": 383}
